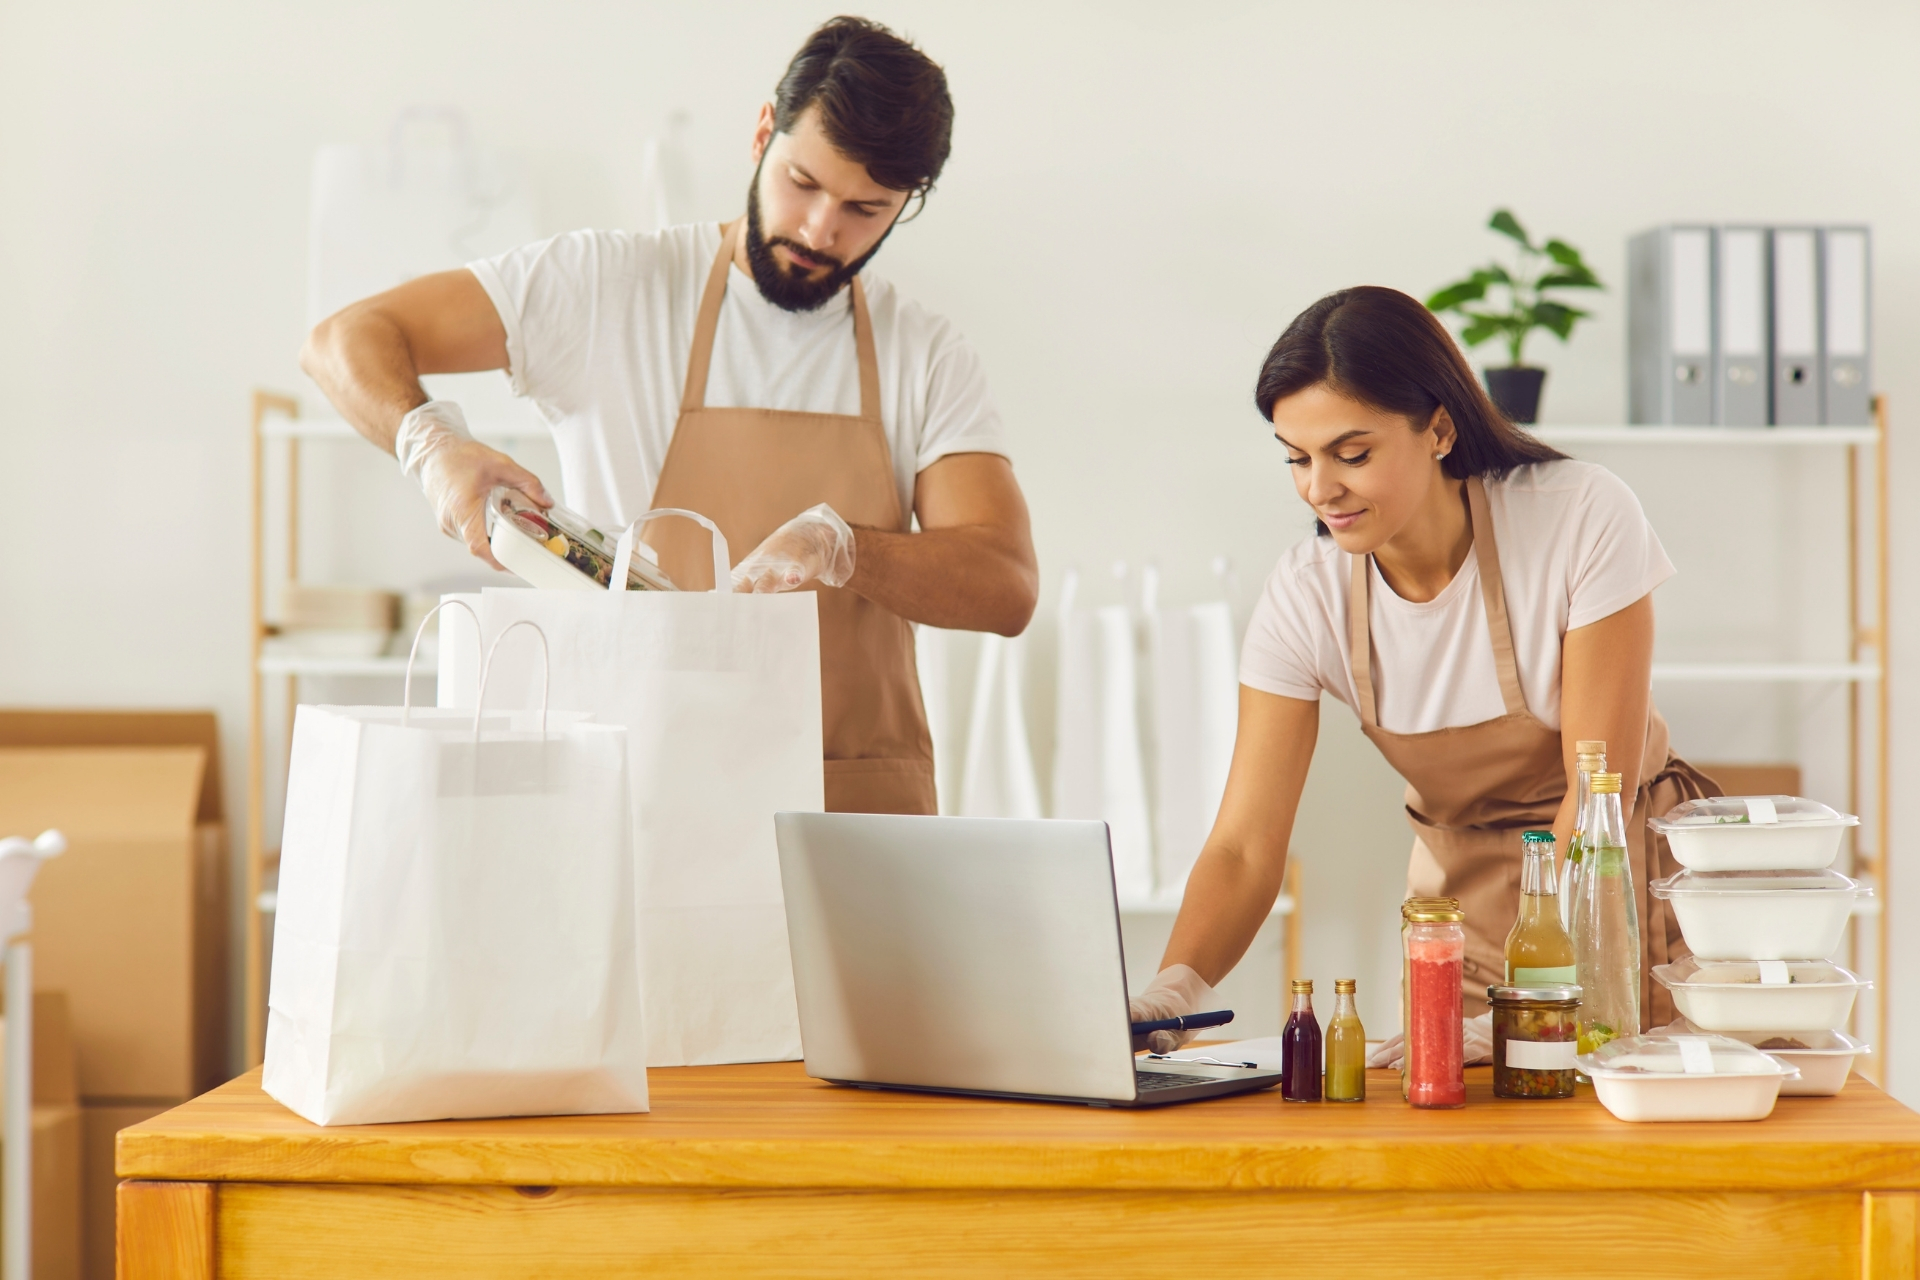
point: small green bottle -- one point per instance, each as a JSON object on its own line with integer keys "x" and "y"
{"x": 1346, "y": 1047}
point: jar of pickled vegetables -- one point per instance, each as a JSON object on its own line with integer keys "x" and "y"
{"x": 1534, "y": 1035}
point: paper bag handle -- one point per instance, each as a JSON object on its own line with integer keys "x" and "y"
{"x": 546, "y": 674}
{"x": 406, "y": 688}
{"x": 623, "y": 550}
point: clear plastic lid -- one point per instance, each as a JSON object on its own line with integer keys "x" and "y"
{"x": 1720, "y": 811}
{"x": 567, "y": 534}
{"x": 1745, "y": 882}
{"x": 1667, "y": 1054}
{"x": 1821, "y": 1042}
{"x": 1690, "y": 972}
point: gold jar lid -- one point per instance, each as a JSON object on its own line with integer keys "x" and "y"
{"x": 1589, "y": 747}
{"x": 1344, "y": 986}
{"x": 1606, "y": 784}
{"x": 1431, "y": 910}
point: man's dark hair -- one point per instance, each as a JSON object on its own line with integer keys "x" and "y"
{"x": 883, "y": 103}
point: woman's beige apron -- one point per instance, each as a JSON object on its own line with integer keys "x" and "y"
{"x": 1472, "y": 790}
{"x": 752, "y": 470}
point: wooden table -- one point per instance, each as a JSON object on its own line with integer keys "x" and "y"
{"x": 758, "y": 1171}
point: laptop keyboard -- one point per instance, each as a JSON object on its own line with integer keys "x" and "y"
{"x": 1151, "y": 1081}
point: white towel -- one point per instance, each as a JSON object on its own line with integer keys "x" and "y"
{"x": 1098, "y": 771}
{"x": 999, "y": 781}
{"x": 1196, "y": 709}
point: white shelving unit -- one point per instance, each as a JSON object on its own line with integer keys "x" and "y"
{"x": 1865, "y": 669}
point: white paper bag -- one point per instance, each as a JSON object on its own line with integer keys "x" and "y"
{"x": 720, "y": 697}
{"x": 455, "y": 932}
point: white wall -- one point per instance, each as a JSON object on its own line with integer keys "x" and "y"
{"x": 1139, "y": 199}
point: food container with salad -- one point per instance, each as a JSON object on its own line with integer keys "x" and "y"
{"x": 1761, "y": 915}
{"x": 1824, "y": 1058}
{"x": 558, "y": 549}
{"x": 1786, "y": 996}
{"x": 1753, "y": 833}
{"x": 1663, "y": 1076}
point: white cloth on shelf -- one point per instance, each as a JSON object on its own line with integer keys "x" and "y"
{"x": 1192, "y": 656}
{"x": 999, "y": 781}
{"x": 1098, "y": 770}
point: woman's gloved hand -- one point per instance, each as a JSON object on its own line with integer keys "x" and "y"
{"x": 817, "y": 543}
{"x": 1476, "y": 1044}
{"x": 1175, "y": 990}
{"x": 457, "y": 472}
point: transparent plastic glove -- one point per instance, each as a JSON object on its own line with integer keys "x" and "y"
{"x": 817, "y": 543}
{"x": 1476, "y": 1044}
{"x": 457, "y": 472}
{"x": 1177, "y": 989}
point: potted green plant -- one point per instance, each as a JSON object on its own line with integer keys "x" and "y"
{"x": 1537, "y": 270}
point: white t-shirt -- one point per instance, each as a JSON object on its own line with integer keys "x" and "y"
{"x": 1575, "y": 547}
{"x": 600, "y": 324}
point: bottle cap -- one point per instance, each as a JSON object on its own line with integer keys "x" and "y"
{"x": 1431, "y": 910}
{"x": 1606, "y": 784}
{"x": 1535, "y": 837}
{"x": 1589, "y": 747}
{"x": 1344, "y": 986}
{"x": 1303, "y": 986}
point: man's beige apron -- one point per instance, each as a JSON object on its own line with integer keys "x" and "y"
{"x": 1472, "y": 790}
{"x": 752, "y": 470}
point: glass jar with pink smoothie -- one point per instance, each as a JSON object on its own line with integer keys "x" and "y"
{"x": 1434, "y": 940}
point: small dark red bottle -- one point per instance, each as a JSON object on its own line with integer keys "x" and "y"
{"x": 1300, "y": 1048}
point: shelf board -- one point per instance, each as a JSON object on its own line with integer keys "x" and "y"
{"x": 331, "y": 428}
{"x": 1731, "y": 436}
{"x": 292, "y": 664}
{"x": 1766, "y": 672}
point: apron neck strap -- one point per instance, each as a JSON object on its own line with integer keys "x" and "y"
{"x": 1493, "y": 596}
{"x": 700, "y": 359}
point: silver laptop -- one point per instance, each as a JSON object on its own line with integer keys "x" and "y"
{"x": 970, "y": 955}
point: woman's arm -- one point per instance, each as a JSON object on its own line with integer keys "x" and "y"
{"x": 1237, "y": 877}
{"x": 1605, "y": 670}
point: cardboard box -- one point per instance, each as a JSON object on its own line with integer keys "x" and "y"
{"x": 98, "y": 1125}
{"x": 55, "y": 1080}
{"x": 56, "y": 1142}
{"x": 131, "y": 922}
{"x": 1755, "y": 779}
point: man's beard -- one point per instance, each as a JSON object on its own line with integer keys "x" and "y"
{"x": 795, "y": 292}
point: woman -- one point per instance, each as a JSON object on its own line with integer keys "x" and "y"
{"x": 1477, "y": 598}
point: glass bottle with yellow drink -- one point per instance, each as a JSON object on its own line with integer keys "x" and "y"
{"x": 1538, "y": 948}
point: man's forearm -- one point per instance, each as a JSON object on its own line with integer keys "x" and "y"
{"x": 968, "y": 578}
{"x": 361, "y": 360}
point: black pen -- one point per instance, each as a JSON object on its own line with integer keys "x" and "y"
{"x": 1187, "y": 1022}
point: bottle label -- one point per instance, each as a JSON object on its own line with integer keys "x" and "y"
{"x": 1540, "y": 1055}
{"x": 1530, "y": 977}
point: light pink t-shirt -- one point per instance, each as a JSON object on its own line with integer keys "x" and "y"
{"x": 1575, "y": 547}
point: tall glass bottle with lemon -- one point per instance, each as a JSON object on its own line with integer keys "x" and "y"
{"x": 1606, "y": 925}
{"x": 1590, "y": 757}
{"x": 1538, "y": 948}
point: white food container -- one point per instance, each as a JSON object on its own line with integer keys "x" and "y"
{"x": 1761, "y": 915}
{"x": 557, "y": 550}
{"x": 1824, "y": 1063}
{"x": 1753, "y": 833}
{"x": 1786, "y": 995}
{"x": 1680, "y": 1077}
